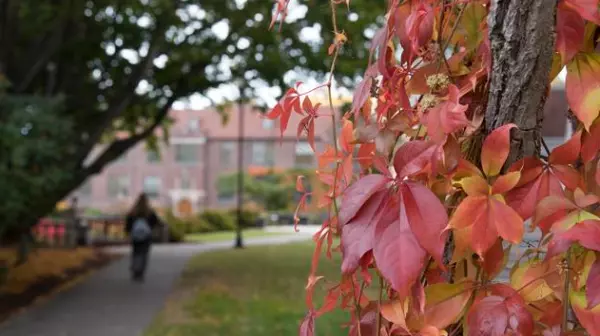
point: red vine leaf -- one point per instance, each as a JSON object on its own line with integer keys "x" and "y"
{"x": 502, "y": 313}
{"x": 496, "y": 147}
{"x": 592, "y": 287}
{"x": 426, "y": 216}
{"x": 357, "y": 234}
{"x": 591, "y": 143}
{"x": 419, "y": 25}
{"x": 589, "y": 318}
{"x": 412, "y": 157}
{"x": 570, "y": 31}
{"x": 588, "y": 9}
{"x": 357, "y": 194}
{"x": 447, "y": 117}
{"x": 307, "y": 327}
{"x": 397, "y": 252}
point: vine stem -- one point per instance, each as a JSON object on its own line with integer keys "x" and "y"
{"x": 565, "y": 312}
{"x": 379, "y": 306}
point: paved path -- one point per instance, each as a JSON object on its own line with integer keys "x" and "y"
{"x": 109, "y": 304}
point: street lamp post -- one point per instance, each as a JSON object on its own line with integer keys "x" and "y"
{"x": 239, "y": 243}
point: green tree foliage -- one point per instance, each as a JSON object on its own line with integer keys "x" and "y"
{"x": 120, "y": 64}
{"x": 274, "y": 191}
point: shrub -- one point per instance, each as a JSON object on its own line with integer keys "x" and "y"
{"x": 219, "y": 220}
{"x": 198, "y": 224}
{"x": 177, "y": 227}
{"x": 249, "y": 217}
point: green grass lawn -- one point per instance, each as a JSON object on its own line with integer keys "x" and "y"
{"x": 229, "y": 235}
{"x": 251, "y": 292}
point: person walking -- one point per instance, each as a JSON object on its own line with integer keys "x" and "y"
{"x": 140, "y": 223}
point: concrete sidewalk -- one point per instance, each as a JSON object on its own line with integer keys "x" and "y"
{"x": 108, "y": 303}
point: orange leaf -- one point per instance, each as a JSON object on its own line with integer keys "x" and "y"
{"x": 496, "y": 147}
{"x": 347, "y": 136}
{"x": 446, "y": 302}
{"x": 412, "y": 157}
{"x": 505, "y": 183}
{"x": 475, "y": 186}
{"x": 583, "y": 87}
{"x": 394, "y": 312}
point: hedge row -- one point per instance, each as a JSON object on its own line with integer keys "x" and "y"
{"x": 208, "y": 221}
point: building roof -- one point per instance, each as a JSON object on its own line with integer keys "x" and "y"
{"x": 210, "y": 123}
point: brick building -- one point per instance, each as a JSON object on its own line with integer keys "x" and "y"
{"x": 184, "y": 176}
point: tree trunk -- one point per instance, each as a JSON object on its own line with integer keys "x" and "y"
{"x": 522, "y": 43}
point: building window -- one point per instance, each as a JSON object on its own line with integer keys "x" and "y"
{"x": 152, "y": 186}
{"x": 304, "y": 155}
{"x": 152, "y": 156}
{"x": 268, "y": 124}
{"x": 186, "y": 153}
{"x": 185, "y": 182}
{"x": 193, "y": 125}
{"x": 262, "y": 153}
{"x": 226, "y": 150}
{"x": 118, "y": 186}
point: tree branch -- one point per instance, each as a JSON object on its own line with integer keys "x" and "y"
{"x": 126, "y": 93}
{"x": 55, "y": 42}
{"x": 8, "y": 30}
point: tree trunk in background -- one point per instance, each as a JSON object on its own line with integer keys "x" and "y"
{"x": 522, "y": 43}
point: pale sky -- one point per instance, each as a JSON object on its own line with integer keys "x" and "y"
{"x": 229, "y": 91}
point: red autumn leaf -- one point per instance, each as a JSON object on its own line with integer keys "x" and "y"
{"x": 568, "y": 152}
{"x": 357, "y": 234}
{"x": 589, "y": 318}
{"x": 494, "y": 260}
{"x": 399, "y": 17}
{"x": 299, "y": 185}
{"x": 412, "y": 157}
{"x": 290, "y": 101}
{"x": 489, "y": 218}
{"x": 365, "y": 155}
{"x": 330, "y": 302}
{"x": 489, "y": 316}
{"x": 397, "y": 252}
{"x": 496, "y": 147}
{"x": 583, "y": 87}
{"x": 539, "y": 180}
{"x": 591, "y": 143}
{"x": 327, "y": 157}
{"x": 419, "y": 25}
{"x": 502, "y": 313}
{"x": 447, "y": 117}
{"x": 584, "y": 200}
{"x": 592, "y": 286}
{"x": 426, "y": 216}
{"x": 367, "y": 322}
{"x": 588, "y": 9}
{"x": 307, "y": 327}
{"x": 363, "y": 90}
{"x": 586, "y": 233}
{"x": 357, "y": 194}
{"x": 347, "y": 136}
{"x": 570, "y": 31}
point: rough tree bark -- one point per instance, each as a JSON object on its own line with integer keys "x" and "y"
{"x": 522, "y": 42}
